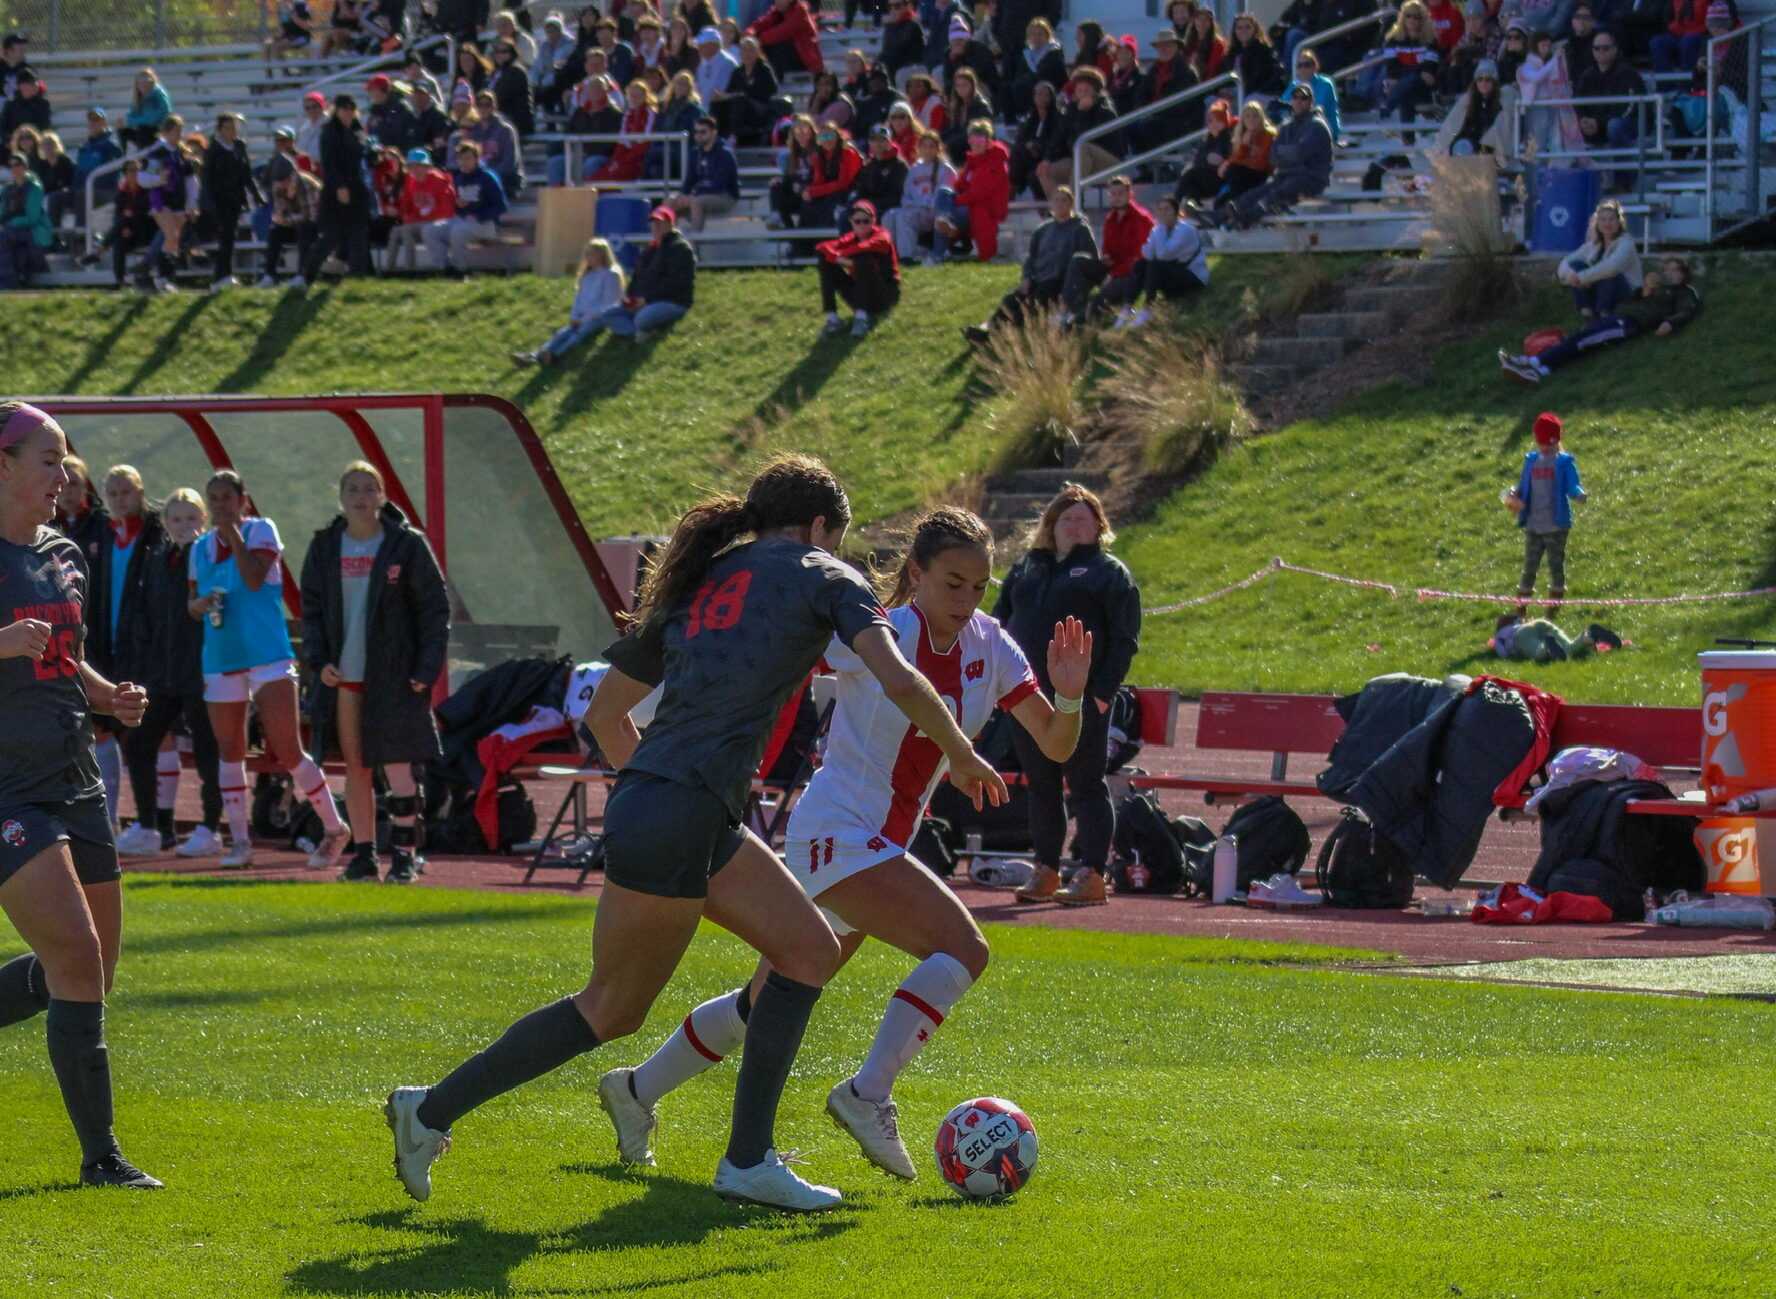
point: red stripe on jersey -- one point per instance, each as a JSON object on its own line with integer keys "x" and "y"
{"x": 784, "y": 727}
{"x": 919, "y": 757}
{"x": 919, "y": 1004}
{"x": 1017, "y": 694}
{"x": 697, "y": 1043}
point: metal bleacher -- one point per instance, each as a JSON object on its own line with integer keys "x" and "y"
{"x": 1683, "y": 191}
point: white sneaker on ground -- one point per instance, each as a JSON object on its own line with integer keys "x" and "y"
{"x": 222, "y": 285}
{"x": 266, "y": 282}
{"x": 770, "y": 1183}
{"x": 1141, "y": 317}
{"x": 1122, "y": 318}
{"x": 201, "y": 842}
{"x": 417, "y": 1147}
{"x": 634, "y": 1122}
{"x": 876, "y": 1127}
{"x": 1001, "y": 873}
{"x": 328, "y": 852}
{"x": 138, "y": 841}
{"x": 297, "y": 282}
{"x": 239, "y": 855}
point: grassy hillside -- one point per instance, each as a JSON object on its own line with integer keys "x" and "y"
{"x": 635, "y": 430}
{"x": 1676, "y": 442}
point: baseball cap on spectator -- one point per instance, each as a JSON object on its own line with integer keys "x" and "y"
{"x": 379, "y": 82}
{"x": 420, "y": 88}
{"x": 865, "y": 206}
{"x": 959, "y": 30}
{"x": 96, "y": 115}
{"x": 556, "y": 19}
{"x": 1720, "y": 12}
{"x": 663, "y": 213}
{"x": 1517, "y": 26}
{"x": 315, "y": 97}
{"x": 1302, "y": 88}
{"x": 1486, "y": 68}
{"x": 880, "y": 132}
{"x": 419, "y": 155}
{"x": 1129, "y": 42}
{"x": 283, "y": 133}
{"x": 14, "y": 39}
{"x": 461, "y": 94}
{"x": 344, "y": 101}
{"x": 709, "y": 36}
{"x": 1548, "y": 429}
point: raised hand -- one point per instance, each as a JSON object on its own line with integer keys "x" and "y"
{"x": 1070, "y": 657}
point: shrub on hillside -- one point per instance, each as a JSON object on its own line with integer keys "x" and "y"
{"x": 1035, "y": 374}
{"x": 1482, "y": 281}
{"x": 1170, "y": 392}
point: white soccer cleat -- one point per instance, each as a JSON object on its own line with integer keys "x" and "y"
{"x": 772, "y": 1184}
{"x": 139, "y": 841}
{"x": 201, "y": 842}
{"x": 1140, "y": 318}
{"x": 331, "y": 848}
{"x": 239, "y": 856}
{"x": 876, "y": 1127}
{"x": 417, "y": 1147}
{"x": 634, "y": 1122}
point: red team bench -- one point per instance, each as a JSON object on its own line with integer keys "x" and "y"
{"x": 1668, "y": 738}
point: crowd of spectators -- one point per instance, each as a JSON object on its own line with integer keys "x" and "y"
{"x": 960, "y": 110}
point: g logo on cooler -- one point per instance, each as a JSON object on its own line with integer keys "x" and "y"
{"x": 1714, "y": 713}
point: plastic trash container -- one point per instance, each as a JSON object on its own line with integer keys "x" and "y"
{"x": 622, "y": 216}
{"x": 1564, "y": 201}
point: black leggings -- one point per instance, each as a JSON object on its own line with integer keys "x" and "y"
{"x": 141, "y": 751}
{"x": 1087, "y": 794}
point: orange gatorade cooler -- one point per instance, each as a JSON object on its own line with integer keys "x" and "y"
{"x": 1730, "y": 849}
{"x": 1738, "y": 722}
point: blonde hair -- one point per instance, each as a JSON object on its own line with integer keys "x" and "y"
{"x": 1610, "y": 205}
{"x": 603, "y": 248}
{"x": 1042, "y": 536}
{"x": 1039, "y": 25}
{"x": 186, "y": 496}
{"x": 50, "y": 137}
{"x": 1264, "y": 126}
{"x": 1412, "y": 8}
{"x": 363, "y": 467}
{"x": 690, "y": 88}
{"x": 129, "y": 473}
{"x": 75, "y": 465}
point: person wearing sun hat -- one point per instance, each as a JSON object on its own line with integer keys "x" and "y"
{"x": 1300, "y": 159}
{"x": 1542, "y": 501}
{"x": 1169, "y": 73}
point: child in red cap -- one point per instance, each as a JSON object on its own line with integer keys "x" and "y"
{"x": 1542, "y": 501}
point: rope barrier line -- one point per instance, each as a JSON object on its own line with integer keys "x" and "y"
{"x": 1425, "y": 594}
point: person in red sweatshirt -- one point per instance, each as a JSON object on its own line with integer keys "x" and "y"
{"x": 1677, "y": 48}
{"x": 790, "y": 38}
{"x": 628, "y": 157}
{"x": 1119, "y": 268}
{"x": 427, "y": 195}
{"x": 982, "y": 197}
{"x": 862, "y": 268}
{"x": 835, "y": 165}
{"x": 1449, "y": 25}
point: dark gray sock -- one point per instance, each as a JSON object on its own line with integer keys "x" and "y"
{"x": 83, "y": 1069}
{"x": 743, "y": 1007}
{"x": 24, "y": 991}
{"x": 543, "y": 1040}
{"x": 773, "y": 1036}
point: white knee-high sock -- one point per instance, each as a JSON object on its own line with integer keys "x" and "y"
{"x": 166, "y": 786}
{"x": 915, "y": 1010}
{"x": 231, "y": 777}
{"x": 711, "y": 1031}
{"x": 311, "y": 783}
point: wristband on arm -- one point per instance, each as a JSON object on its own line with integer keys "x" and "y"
{"x": 1062, "y": 704}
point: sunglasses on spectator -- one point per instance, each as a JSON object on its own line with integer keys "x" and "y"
{"x": 861, "y": 220}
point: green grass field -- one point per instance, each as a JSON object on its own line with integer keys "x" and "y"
{"x": 1674, "y": 441}
{"x": 1212, "y": 1122}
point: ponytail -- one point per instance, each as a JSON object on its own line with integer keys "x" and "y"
{"x": 707, "y": 529}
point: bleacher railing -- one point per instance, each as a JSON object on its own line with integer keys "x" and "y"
{"x": 1379, "y": 19}
{"x": 1639, "y": 157}
{"x": 574, "y": 150}
{"x": 1745, "y": 152}
{"x": 1117, "y": 125}
{"x": 356, "y": 74}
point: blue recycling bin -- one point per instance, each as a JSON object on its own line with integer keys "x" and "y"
{"x": 1564, "y": 200}
{"x": 622, "y": 216}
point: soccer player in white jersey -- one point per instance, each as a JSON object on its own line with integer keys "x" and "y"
{"x": 847, "y": 838}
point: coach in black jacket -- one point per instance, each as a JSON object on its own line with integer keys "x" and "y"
{"x": 1067, "y": 572}
{"x": 228, "y": 186}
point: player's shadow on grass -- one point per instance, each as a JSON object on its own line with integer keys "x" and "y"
{"x": 466, "y": 1254}
{"x": 40, "y": 1188}
{"x": 201, "y": 940}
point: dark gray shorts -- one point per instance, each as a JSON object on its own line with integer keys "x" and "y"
{"x": 26, "y": 829}
{"x": 664, "y": 838}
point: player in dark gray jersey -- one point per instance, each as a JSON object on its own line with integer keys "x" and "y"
{"x": 731, "y": 627}
{"x": 58, "y": 864}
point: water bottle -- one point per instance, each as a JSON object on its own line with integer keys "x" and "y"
{"x": 1651, "y": 903}
{"x": 216, "y": 597}
{"x": 1226, "y": 868}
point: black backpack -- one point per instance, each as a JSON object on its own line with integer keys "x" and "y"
{"x": 1271, "y": 837}
{"x": 934, "y": 846}
{"x": 1198, "y": 842}
{"x": 1360, "y": 869}
{"x": 1124, "y": 720}
{"x": 1144, "y": 838}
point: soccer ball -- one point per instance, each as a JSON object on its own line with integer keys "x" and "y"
{"x": 986, "y": 1147}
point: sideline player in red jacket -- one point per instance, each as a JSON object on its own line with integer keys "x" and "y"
{"x": 427, "y": 195}
{"x": 1126, "y": 228}
{"x": 862, "y": 268}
